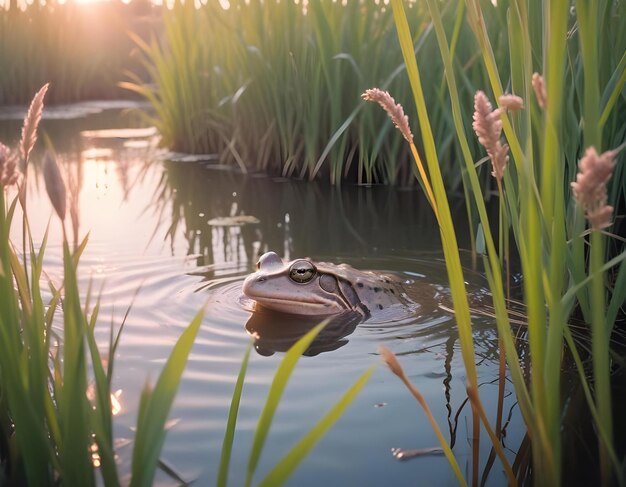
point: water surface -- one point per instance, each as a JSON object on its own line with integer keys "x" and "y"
{"x": 171, "y": 236}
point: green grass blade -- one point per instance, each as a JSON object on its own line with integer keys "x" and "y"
{"x": 156, "y": 406}
{"x": 569, "y": 297}
{"x": 617, "y": 83}
{"x": 73, "y": 404}
{"x": 619, "y": 295}
{"x": 281, "y": 472}
{"x": 275, "y": 393}
{"x": 227, "y": 444}
{"x": 101, "y": 413}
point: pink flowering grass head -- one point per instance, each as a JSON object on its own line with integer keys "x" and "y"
{"x": 393, "y": 109}
{"x": 590, "y": 187}
{"x": 539, "y": 86}
{"x": 31, "y": 123}
{"x": 511, "y": 102}
{"x": 488, "y": 127}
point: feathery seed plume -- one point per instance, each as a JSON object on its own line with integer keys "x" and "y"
{"x": 539, "y": 86}
{"x": 590, "y": 186}
{"x": 393, "y": 109}
{"x": 31, "y": 122}
{"x": 488, "y": 127}
{"x": 511, "y": 102}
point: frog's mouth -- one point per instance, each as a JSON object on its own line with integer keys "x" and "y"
{"x": 319, "y": 306}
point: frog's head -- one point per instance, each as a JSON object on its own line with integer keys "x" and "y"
{"x": 296, "y": 287}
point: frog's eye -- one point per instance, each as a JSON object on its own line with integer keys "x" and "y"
{"x": 302, "y": 271}
{"x": 269, "y": 261}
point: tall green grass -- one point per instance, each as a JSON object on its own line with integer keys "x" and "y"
{"x": 56, "y": 418}
{"x": 271, "y": 88}
{"x": 567, "y": 268}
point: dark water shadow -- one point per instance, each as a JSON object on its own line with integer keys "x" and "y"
{"x": 277, "y": 332}
{"x": 294, "y": 218}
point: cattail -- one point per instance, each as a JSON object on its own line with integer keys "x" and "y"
{"x": 31, "y": 122}
{"x": 8, "y": 167}
{"x": 488, "y": 127}
{"x": 511, "y": 102}
{"x": 54, "y": 185}
{"x": 393, "y": 109}
{"x": 539, "y": 86}
{"x": 590, "y": 187}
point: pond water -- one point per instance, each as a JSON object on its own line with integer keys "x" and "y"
{"x": 163, "y": 230}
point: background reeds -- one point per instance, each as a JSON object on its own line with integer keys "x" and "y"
{"x": 273, "y": 87}
{"x": 82, "y": 50}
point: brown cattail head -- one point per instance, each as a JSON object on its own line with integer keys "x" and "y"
{"x": 8, "y": 166}
{"x": 539, "y": 86}
{"x": 488, "y": 127}
{"x": 54, "y": 185}
{"x": 590, "y": 186}
{"x": 511, "y": 102}
{"x": 393, "y": 109}
{"x": 31, "y": 122}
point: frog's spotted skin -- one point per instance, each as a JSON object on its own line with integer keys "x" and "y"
{"x": 302, "y": 287}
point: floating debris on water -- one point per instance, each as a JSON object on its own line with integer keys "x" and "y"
{"x": 139, "y": 144}
{"x": 97, "y": 153}
{"x": 70, "y": 111}
{"x": 233, "y": 221}
{"x": 184, "y": 157}
{"x": 402, "y": 454}
{"x": 134, "y": 133}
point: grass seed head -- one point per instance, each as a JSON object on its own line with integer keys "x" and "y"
{"x": 31, "y": 122}
{"x": 590, "y": 186}
{"x": 393, "y": 109}
{"x": 488, "y": 127}
{"x": 539, "y": 86}
{"x": 391, "y": 360}
{"x": 511, "y": 102}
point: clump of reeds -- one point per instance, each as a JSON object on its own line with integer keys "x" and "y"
{"x": 534, "y": 206}
{"x": 55, "y": 428}
{"x": 251, "y": 93}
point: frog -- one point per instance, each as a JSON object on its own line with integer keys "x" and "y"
{"x": 308, "y": 288}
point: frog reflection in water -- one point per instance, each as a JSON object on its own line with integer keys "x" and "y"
{"x": 307, "y": 289}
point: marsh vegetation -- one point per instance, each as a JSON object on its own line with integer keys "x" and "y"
{"x": 517, "y": 110}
